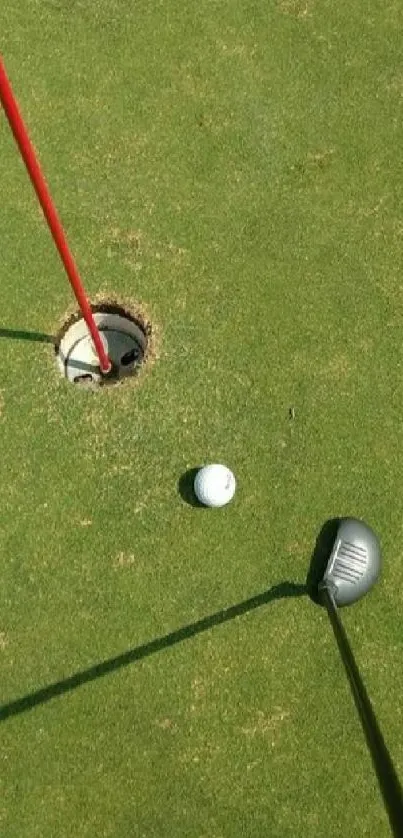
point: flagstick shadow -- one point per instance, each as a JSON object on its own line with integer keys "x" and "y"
{"x": 59, "y": 688}
{"x": 20, "y": 334}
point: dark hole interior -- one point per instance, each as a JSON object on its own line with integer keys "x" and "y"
{"x": 83, "y": 379}
{"x": 131, "y": 356}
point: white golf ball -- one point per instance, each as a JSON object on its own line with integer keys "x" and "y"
{"x": 214, "y": 485}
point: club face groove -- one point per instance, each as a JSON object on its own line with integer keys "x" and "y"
{"x": 355, "y": 562}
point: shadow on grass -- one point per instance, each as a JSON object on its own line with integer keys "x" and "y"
{"x": 320, "y": 557}
{"x": 186, "y": 488}
{"x": 20, "y": 334}
{"x": 40, "y": 337}
{"x": 28, "y": 702}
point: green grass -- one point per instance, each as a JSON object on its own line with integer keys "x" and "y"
{"x": 236, "y": 167}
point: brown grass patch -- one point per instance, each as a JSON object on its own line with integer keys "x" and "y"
{"x": 337, "y": 367}
{"x": 297, "y": 8}
{"x": 265, "y": 723}
{"x": 134, "y": 246}
{"x": 313, "y": 161}
{"x": 123, "y": 560}
{"x": 167, "y": 724}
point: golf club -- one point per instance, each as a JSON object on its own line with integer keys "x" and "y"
{"x": 353, "y": 568}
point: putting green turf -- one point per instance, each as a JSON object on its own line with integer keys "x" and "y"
{"x": 236, "y": 167}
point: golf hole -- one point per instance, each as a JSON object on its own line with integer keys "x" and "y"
{"x": 126, "y": 338}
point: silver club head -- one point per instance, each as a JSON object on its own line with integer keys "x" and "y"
{"x": 354, "y": 564}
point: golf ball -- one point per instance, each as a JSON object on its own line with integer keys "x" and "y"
{"x": 214, "y": 485}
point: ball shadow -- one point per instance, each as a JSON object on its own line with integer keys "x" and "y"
{"x": 320, "y": 557}
{"x": 186, "y": 488}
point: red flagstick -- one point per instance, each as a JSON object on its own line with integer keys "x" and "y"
{"x": 26, "y": 148}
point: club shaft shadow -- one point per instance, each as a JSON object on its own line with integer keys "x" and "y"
{"x": 388, "y": 780}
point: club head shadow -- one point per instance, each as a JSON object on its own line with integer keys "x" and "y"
{"x": 320, "y": 558}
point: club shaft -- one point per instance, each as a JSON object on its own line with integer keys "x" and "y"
{"x": 30, "y": 159}
{"x": 387, "y": 778}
